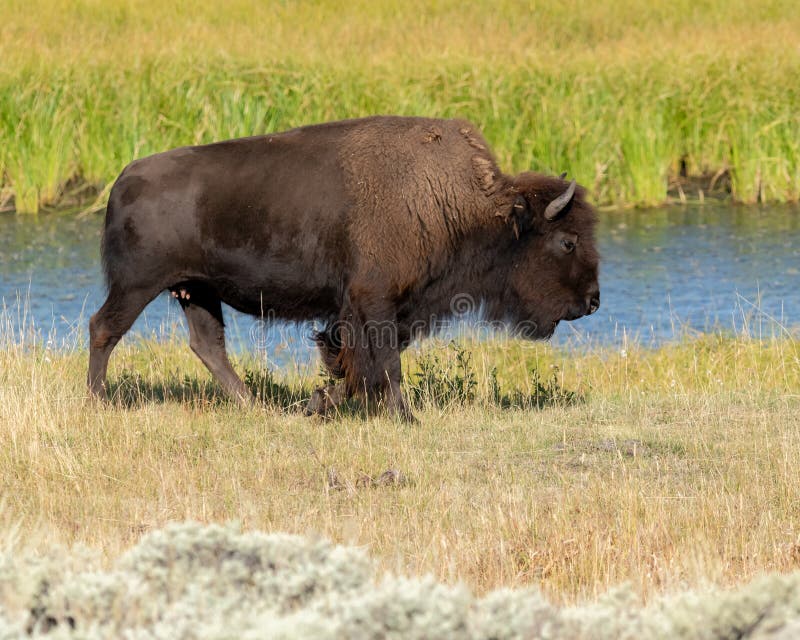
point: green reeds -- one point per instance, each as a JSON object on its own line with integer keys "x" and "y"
{"x": 628, "y": 100}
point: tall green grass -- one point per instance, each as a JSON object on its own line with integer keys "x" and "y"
{"x": 621, "y": 95}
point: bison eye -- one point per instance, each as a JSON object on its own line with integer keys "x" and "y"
{"x": 567, "y": 245}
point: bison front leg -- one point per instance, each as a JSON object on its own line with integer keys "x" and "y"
{"x": 370, "y": 354}
{"x": 326, "y": 398}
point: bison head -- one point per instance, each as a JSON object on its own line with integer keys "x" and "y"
{"x": 553, "y": 262}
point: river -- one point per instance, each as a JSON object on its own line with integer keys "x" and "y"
{"x": 665, "y": 273}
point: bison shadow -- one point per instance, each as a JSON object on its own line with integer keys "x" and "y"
{"x": 131, "y": 390}
{"x": 442, "y": 380}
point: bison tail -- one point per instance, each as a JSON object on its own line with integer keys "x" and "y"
{"x": 104, "y": 246}
{"x": 107, "y": 248}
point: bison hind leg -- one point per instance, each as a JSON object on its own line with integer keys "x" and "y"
{"x": 203, "y": 311}
{"x": 108, "y": 325}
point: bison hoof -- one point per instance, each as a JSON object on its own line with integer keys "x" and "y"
{"x": 316, "y": 403}
{"x": 324, "y": 399}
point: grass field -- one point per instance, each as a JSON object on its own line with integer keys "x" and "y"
{"x": 633, "y": 98}
{"x": 662, "y": 468}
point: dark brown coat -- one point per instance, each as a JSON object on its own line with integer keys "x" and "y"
{"x": 375, "y": 226}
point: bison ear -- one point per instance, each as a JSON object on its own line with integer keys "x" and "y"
{"x": 520, "y": 216}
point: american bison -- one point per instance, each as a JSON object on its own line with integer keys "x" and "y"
{"x": 372, "y": 226}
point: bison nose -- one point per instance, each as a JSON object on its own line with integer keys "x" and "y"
{"x": 593, "y": 302}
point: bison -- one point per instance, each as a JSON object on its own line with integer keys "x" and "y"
{"x": 372, "y": 226}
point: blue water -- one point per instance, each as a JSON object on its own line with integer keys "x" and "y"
{"x": 665, "y": 273}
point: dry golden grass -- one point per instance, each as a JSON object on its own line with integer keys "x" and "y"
{"x": 399, "y": 34}
{"x": 676, "y": 466}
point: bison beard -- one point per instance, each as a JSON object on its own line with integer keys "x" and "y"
{"x": 371, "y": 225}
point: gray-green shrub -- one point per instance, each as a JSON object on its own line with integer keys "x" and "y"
{"x": 194, "y": 581}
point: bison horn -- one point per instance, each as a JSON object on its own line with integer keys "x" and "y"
{"x": 563, "y": 175}
{"x": 558, "y": 205}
